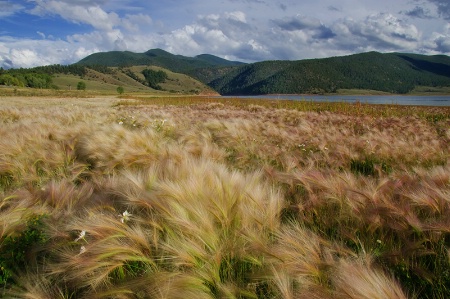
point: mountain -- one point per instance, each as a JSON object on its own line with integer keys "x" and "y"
{"x": 217, "y": 61}
{"x": 390, "y": 72}
{"x": 208, "y": 74}
{"x": 156, "y": 57}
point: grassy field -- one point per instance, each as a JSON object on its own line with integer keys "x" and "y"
{"x": 102, "y": 83}
{"x": 190, "y": 197}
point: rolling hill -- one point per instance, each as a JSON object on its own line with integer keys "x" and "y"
{"x": 104, "y": 79}
{"x": 389, "y": 72}
{"x": 398, "y": 73}
{"x": 132, "y": 80}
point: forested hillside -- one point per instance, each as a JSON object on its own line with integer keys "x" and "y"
{"x": 393, "y": 72}
{"x": 156, "y": 57}
{"x": 39, "y": 77}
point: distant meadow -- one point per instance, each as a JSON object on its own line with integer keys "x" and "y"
{"x": 190, "y": 197}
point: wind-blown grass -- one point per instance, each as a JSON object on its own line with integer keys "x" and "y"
{"x": 208, "y": 198}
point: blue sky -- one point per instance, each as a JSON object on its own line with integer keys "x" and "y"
{"x": 42, "y": 32}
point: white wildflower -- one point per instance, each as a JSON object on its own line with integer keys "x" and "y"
{"x": 81, "y": 236}
{"x": 125, "y": 216}
{"x": 82, "y": 250}
{"x": 120, "y": 122}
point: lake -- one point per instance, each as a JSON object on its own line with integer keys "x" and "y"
{"x": 369, "y": 99}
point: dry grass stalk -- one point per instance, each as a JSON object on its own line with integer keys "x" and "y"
{"x": 220, "y": 199}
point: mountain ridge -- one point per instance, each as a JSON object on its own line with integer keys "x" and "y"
{"x": 387, "y": 72}
{"x": 156, "y": 57}
{"x": 396, "y": 73}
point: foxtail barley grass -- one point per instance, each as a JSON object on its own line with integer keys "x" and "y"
{"x": 210, "y": 198}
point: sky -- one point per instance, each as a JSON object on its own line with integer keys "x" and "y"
{"x": 43, "y": 32}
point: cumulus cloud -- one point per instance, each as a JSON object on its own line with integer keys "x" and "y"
{"x": 30, "y": 53}
{"x": 222, "y": 34}
{"x": 248, "y": 1}
{"x": 438, "y": 43}
{"x": 85, "y": 2}
{"x": 442, "y": 44}
{"x": 443, "y": 7}
{"x": 136, "y": 23}
{"x": 88, "y": 13}
{"x": 333, "y": 8}
{"x": 234, "y": 35}
{"x": 312, "y": 27}
{"x": 102, "y": 40}
{"x": 305, "y": 37}
{"x": 382, "y": 31}
{"x": 418, "y": 12}
{"x": 110, "y": 32}
{"x": 41, "y": 34}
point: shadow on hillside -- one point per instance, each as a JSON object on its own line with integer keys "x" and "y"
{"x": 432, "y": 67}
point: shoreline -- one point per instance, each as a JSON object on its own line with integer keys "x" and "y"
{"x": 393, "y": 99}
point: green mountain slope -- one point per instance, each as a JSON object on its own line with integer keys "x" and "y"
{"x": 392, "y": 72}
{"x": 217, "y": 61}
{"x": 156, "y": 57}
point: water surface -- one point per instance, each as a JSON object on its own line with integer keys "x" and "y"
{"x": 368, "y": 99}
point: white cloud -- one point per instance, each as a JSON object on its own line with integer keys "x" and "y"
{"x": 29, "y": 53}
{"x": 227, "y": 34}
{"x": 319, "y": 29}
{"x": 91, "y": 14}
{"x": 7, "y": 8}
{"x": 136, "y": 23}
{"x": 443, "y": 7}
{"x": 383, "y": 32}
{"x": 111, "y": 32}
{"x": 103, "y": 40}
{"x": 438, "y": 43}
{"x": 309, "y": 28}
{"x": 237, "y": 16}
{"x": 302, "y": 37}
{"x": 41, "y": 34}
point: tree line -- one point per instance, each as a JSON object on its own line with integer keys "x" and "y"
{"x": 41, "y": 77}
{"x": 34, "y": 80}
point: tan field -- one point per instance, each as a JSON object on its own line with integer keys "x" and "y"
{"x": 189, "y": 197}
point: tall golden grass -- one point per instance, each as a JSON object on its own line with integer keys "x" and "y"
{"x": 208, "y": 198}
